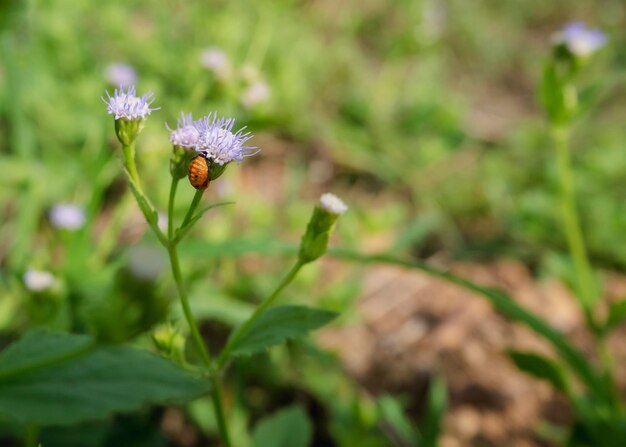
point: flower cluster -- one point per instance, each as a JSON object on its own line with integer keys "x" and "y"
{"x": 127, "y": 105}
{"x": 213, "y": 137}
{"x": 185, "y": 135}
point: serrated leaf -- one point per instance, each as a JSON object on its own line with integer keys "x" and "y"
{"x": 541, "y": 367}
{"x": 51, "y": 378}
{"x": 616, "y": 316}
{"x": 286, "y": 428}
{"x": 275, "y": 326}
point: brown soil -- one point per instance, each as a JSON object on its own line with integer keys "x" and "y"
{"x": 414, "y": 326}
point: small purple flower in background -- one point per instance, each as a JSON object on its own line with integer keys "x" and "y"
{"x": 580, "y": 40}
{"x": 217, "y": 141}
{"x": 257, "y": 93}
{"x": 333, "y": 204}
{"x": 38, "y": 280}
{"x": 67, "y": 216}
{"x": 120, "y": 74}
{"x": 216, "y": 61}
{"x": 185, "y": 135}
{"x": 127, "y": 105}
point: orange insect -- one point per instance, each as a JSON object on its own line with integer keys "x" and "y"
{"x": 199, "y": 172}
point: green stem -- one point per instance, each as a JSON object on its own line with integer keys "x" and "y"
{"x": 192, "y": 208}
{"x": 172, "y": 250}
{"x": 32, "y": 434}
{"x": 129, "y": 157}
{"x": 571, "y": 224}
{"x": 170, "y": 209}
{"x": 200, "y": 346}
{"x": 219, "y": 407}
{"x": 184, "y": 301}
{"x": 225, "y": 354}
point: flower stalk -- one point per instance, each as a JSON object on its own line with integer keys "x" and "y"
{"x": 214, "y": 140}
{"x": 571, "y": 224}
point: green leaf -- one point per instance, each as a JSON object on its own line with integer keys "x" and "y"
{"x": 616, "y": 316}
{"x": 274, "y": 327}
{"x": 286, "y": 428}
{"x": 52, "y": 378}
{"x": 435, "y": 412}
{"x": 392, "y": 413}
{"x": 541, "y": 367}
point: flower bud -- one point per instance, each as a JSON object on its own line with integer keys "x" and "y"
{"x": 127, "y": 130}
{"x": 169, "y": 341}
{"x": 315, "y": 239}
{"x": 179, "y": 162}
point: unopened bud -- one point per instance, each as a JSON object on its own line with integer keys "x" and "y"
{"x": 315, "y": 240}
{"x": 169, "y": 341}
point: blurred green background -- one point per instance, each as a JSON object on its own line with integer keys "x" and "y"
{"x": 420, "y": 114}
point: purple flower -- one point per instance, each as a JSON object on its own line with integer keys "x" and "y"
{"x": 185, "y": 135}
{"x": 257, "y": 93}
{"x": 216, "y": 61}
{"x": 119, "y": 73}
{"x": 127, "y": 105}
{"x": 580, "y": 40}
{"x": 217, "y": 141}
{"x": 67, "y": 216}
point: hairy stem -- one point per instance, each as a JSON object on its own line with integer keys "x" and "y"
{"x": 129, "y": 158}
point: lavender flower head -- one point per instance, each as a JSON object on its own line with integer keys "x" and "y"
{"x": 580, "y": 40}
{"x": 186, "y": 134}
{"x": 67, "y": 216}
{"x": 127, "y": 105}
{"x": 119, "y": 73}
{"x": 217, "y": 141}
